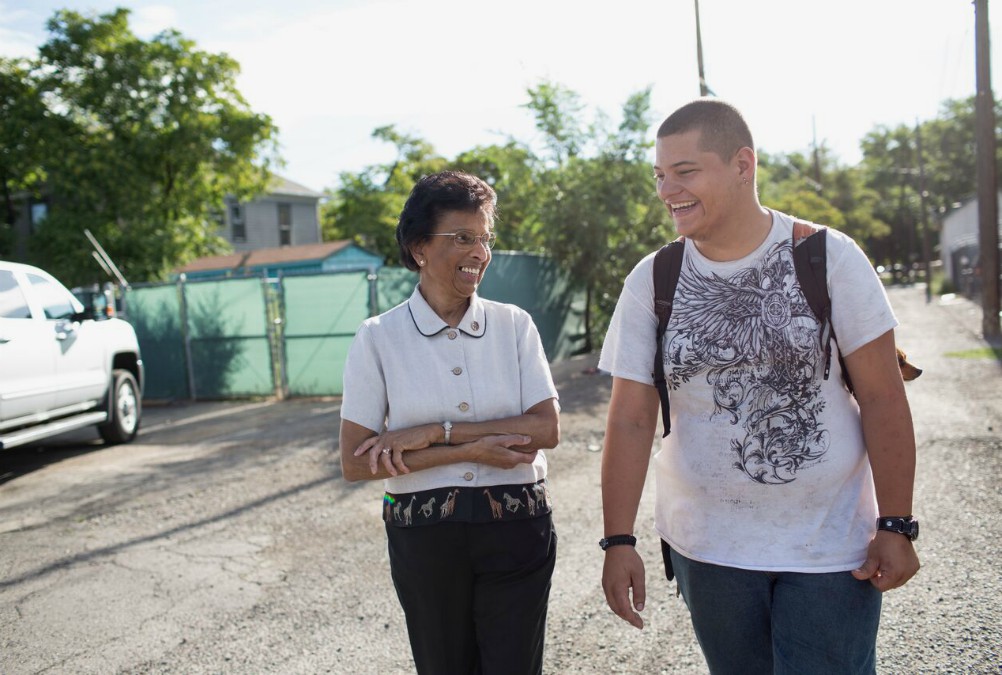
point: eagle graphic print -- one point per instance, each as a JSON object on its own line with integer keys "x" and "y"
{"x": 753, "y": 337}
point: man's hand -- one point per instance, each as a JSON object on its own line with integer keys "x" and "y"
{"x": 624, "y": 570}
{"x": 890, "y": 561}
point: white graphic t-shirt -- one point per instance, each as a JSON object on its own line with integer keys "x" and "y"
{"x": 765, "y": 467}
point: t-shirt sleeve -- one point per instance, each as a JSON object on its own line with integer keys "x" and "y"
{"x": 364, "y": 399}
{"x": 861, "y": 311}
{"x": 534, "y": 369}
{"x": 629, "y": 346}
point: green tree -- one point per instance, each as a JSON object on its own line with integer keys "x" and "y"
{"x": 949, "y": 151}
{"x": 600, "y": 215}
{"x": 25, "y": 127}
{"x": 557, "y": 111}
{"x": 822, "y": 191}
{"x": 155, "y": 137}
{"x": 511, "y": 170}
{"x": 890, "y": 169}
{"x": 367, "y": 204}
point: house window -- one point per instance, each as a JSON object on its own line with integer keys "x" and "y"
{"x": 237, "y": 222}
{"x": 284, "y": 224}
{"x": 39, "y": 210}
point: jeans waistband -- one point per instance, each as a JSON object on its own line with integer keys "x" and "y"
{"x": 487, "y": 504}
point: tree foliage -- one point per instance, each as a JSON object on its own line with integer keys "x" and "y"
{"x": 600, "y": 214}
{"x": 152, "y": 137}
{"x": 892, "y": 171}
{"x": 366, "y": 205}
{"x": 26, "y": 128}
{"x": 582, "y": 191}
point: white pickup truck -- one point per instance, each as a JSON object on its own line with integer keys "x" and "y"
{"x": 60, "y": 369}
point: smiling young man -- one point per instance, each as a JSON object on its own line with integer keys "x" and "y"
{"x": 770, "y": 485}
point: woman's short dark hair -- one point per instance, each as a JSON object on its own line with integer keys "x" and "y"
{"x": 433, "y": 195}
{"x": 722, "y": 127}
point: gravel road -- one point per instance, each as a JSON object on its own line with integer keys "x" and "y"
{"x": 226, "y": 541}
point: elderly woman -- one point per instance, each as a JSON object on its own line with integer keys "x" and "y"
{"x": 448, "y": 398}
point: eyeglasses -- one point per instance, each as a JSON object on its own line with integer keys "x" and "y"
{"x": 466, "y": 239}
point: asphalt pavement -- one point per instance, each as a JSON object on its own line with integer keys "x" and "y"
{"x": 225, "y": 540}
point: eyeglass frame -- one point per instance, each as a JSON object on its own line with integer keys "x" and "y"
{"x": 488, "y": 240}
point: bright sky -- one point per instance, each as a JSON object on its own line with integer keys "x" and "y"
{"x": 455, "y": 72}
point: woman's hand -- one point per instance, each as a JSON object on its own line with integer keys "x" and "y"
{"x": 496, "y": 451}
{"x": 390, "y": 446}
{"x": 499, "y": 450}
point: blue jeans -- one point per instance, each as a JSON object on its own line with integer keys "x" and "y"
{"x": 781, "y": 623}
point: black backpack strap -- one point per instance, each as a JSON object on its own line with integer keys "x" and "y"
{"x": 810, "y": 261}
{"x": 667, "y": 267}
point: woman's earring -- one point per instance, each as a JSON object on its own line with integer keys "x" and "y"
{"x": 421, "y": 263}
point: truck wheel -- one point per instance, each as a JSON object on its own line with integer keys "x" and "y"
{"x": 125, "y": 408}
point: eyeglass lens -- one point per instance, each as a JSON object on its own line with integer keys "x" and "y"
{"x": 465, "y": 239}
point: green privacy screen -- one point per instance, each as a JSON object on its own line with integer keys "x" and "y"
{"x": 536, "y": 284}
{"x": 235, "y": 338}
{"x": 395, "y": 285}
{"x": 533, "y": 282}
{"x": 155, "y": 313}
{"x": 228, "y": 333}
{"x": 322, "y": 313}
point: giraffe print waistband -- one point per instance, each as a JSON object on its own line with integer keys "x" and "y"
{"x": 467, "y": 504}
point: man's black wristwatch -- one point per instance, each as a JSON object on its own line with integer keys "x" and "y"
{"x": 905, "y": 525}
{"x": 617, "y": 540}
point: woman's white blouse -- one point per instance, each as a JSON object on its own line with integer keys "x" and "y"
{"x": 407, "y": 367}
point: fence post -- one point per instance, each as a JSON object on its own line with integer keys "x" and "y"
{"x": 186, "y": 335}
{"x": 274, "y": 309}
{"x": 373, "y": 278}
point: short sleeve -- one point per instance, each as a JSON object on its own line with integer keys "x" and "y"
{"x": 861, "y": 311}
{"x": 630, "y": 342}
{"x": 364, "y": 399}
{"x": 534, "y": 369}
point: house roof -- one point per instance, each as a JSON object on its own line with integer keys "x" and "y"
{"x": 267, "y": 256}
{"x": 280, "y": 185}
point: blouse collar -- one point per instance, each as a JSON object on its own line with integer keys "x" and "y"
{"x": 428, "y": 323}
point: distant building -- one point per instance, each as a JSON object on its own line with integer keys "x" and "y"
{"x": 330, "y": 256}
{"x": 960, "y": 248}
{"x": 286, "y": 215}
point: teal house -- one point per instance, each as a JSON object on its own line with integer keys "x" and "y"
{"x": 329, "y": 256}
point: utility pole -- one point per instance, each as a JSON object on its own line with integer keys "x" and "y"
{"x": 924, "y": 216}
{"x": 704, "y": 90}
{"x": 988, "y": 228}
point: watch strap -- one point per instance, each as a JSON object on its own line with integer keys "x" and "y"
{"x": 904, "y": 525}
{"x": 617, "y": 540}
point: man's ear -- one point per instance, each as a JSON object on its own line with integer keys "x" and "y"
{"x": 745, "y": 161}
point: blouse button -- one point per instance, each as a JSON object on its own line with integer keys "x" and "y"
{"x": 475, "y": 326}
{"x": 452, "y": 334}
{"x": 457, "y": 371}
{"x": 464, "y": 406}
{"x": 468, "y": 475}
